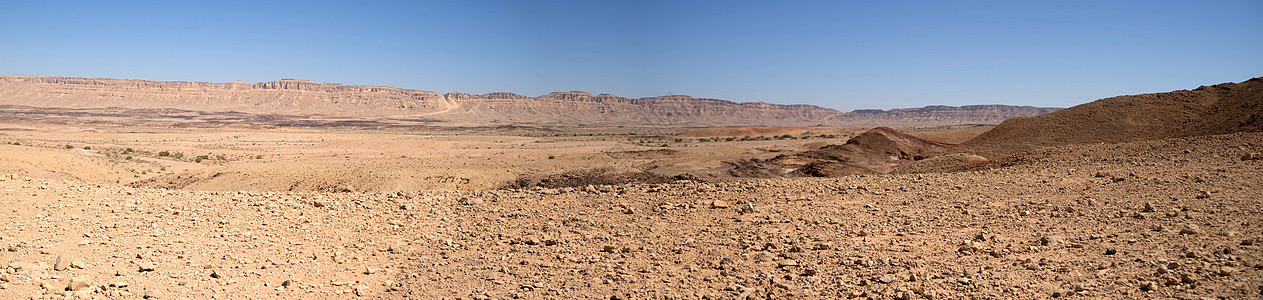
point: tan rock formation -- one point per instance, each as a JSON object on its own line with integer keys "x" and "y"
{"x": 302, "y": 97}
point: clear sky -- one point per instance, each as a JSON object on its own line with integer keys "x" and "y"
{"x": 840, "y": 54}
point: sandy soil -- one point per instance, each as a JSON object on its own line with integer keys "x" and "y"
{"x": 176, "y": 212}
{"x": 1157, "y": 219}
{"x": 364, "y": 160}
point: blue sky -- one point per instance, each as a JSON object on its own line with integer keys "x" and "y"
{"x": 839, "y": 54}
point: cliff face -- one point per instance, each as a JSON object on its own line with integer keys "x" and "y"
{"x": 302, "y": 97}
{"x": 286, "y": 96}
{"x": 942, "y": 115}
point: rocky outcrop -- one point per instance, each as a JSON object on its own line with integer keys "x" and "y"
{"x": 877, "y": 151}
{"x": 303, "y": 97}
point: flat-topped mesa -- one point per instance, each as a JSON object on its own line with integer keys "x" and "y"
{"x": 939, "y": 114}
{"x": 304, "y": 97}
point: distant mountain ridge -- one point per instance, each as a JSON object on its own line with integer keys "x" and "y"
{"x": 303, "y": 97}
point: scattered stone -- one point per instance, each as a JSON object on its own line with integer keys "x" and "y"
{"x": 1202, "y": 195}
{"x": 77, "y": 284}
{"x": 1149, "y": 207}
{"x": 719, "y": 204}
{"x": 50, "y": 286}
{"x": 786, "y": 263}
{"x": 147, "y": 267}
{"x": 215, "y": 274}
{"x": 1226, "y": 271}
{"x": 981, "y": 236}
{"x": 372, "y": 270}
{"x": 886, "y": 278}
{"x": 287, "y": 283}
{"x": 1187, "y": 278}
{"x": 823, "y": 246}
{"x": 1171, "y": 281}
{"x": 1148, "y": 286}
{"x": 319, "y": 203}
{"x": 78, "y": 264}
{"x": 1191, "y": 229}
{"x": 61, "y": 263}
{"x": 969, "y": 247}
{"x": 1111, "y": 251}
{"x": 1060, "y": 293}
{"x": 1052, "y": 240}
{"x": 746, "y": 208}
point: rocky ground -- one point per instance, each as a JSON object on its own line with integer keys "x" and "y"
{"x": 1158, "y": 219}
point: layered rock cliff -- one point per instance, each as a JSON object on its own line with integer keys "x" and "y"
{"x": 302, "y": 97}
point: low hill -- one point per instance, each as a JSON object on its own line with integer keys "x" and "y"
{"x": 302, "y": 97}
{"x": 876, "y": 151}
{"x": 1208, "y": 110}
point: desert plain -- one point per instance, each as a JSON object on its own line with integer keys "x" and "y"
{"x": 1147, "y": 196}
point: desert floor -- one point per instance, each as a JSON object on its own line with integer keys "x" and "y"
{"x": 340, "y": 213}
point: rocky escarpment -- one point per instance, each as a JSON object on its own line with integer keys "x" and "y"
{"x": 287, "y": 96}
{"x": 302, "y": 97}
{"x": 581, "y": 107}
{"x": 941, "y": 115}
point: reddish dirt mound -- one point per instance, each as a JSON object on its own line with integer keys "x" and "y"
{"x": 1219, "y": 109}
{"x": 879, "y": 150}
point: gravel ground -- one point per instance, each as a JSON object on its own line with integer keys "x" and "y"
{"x": 1175, "y": 218}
